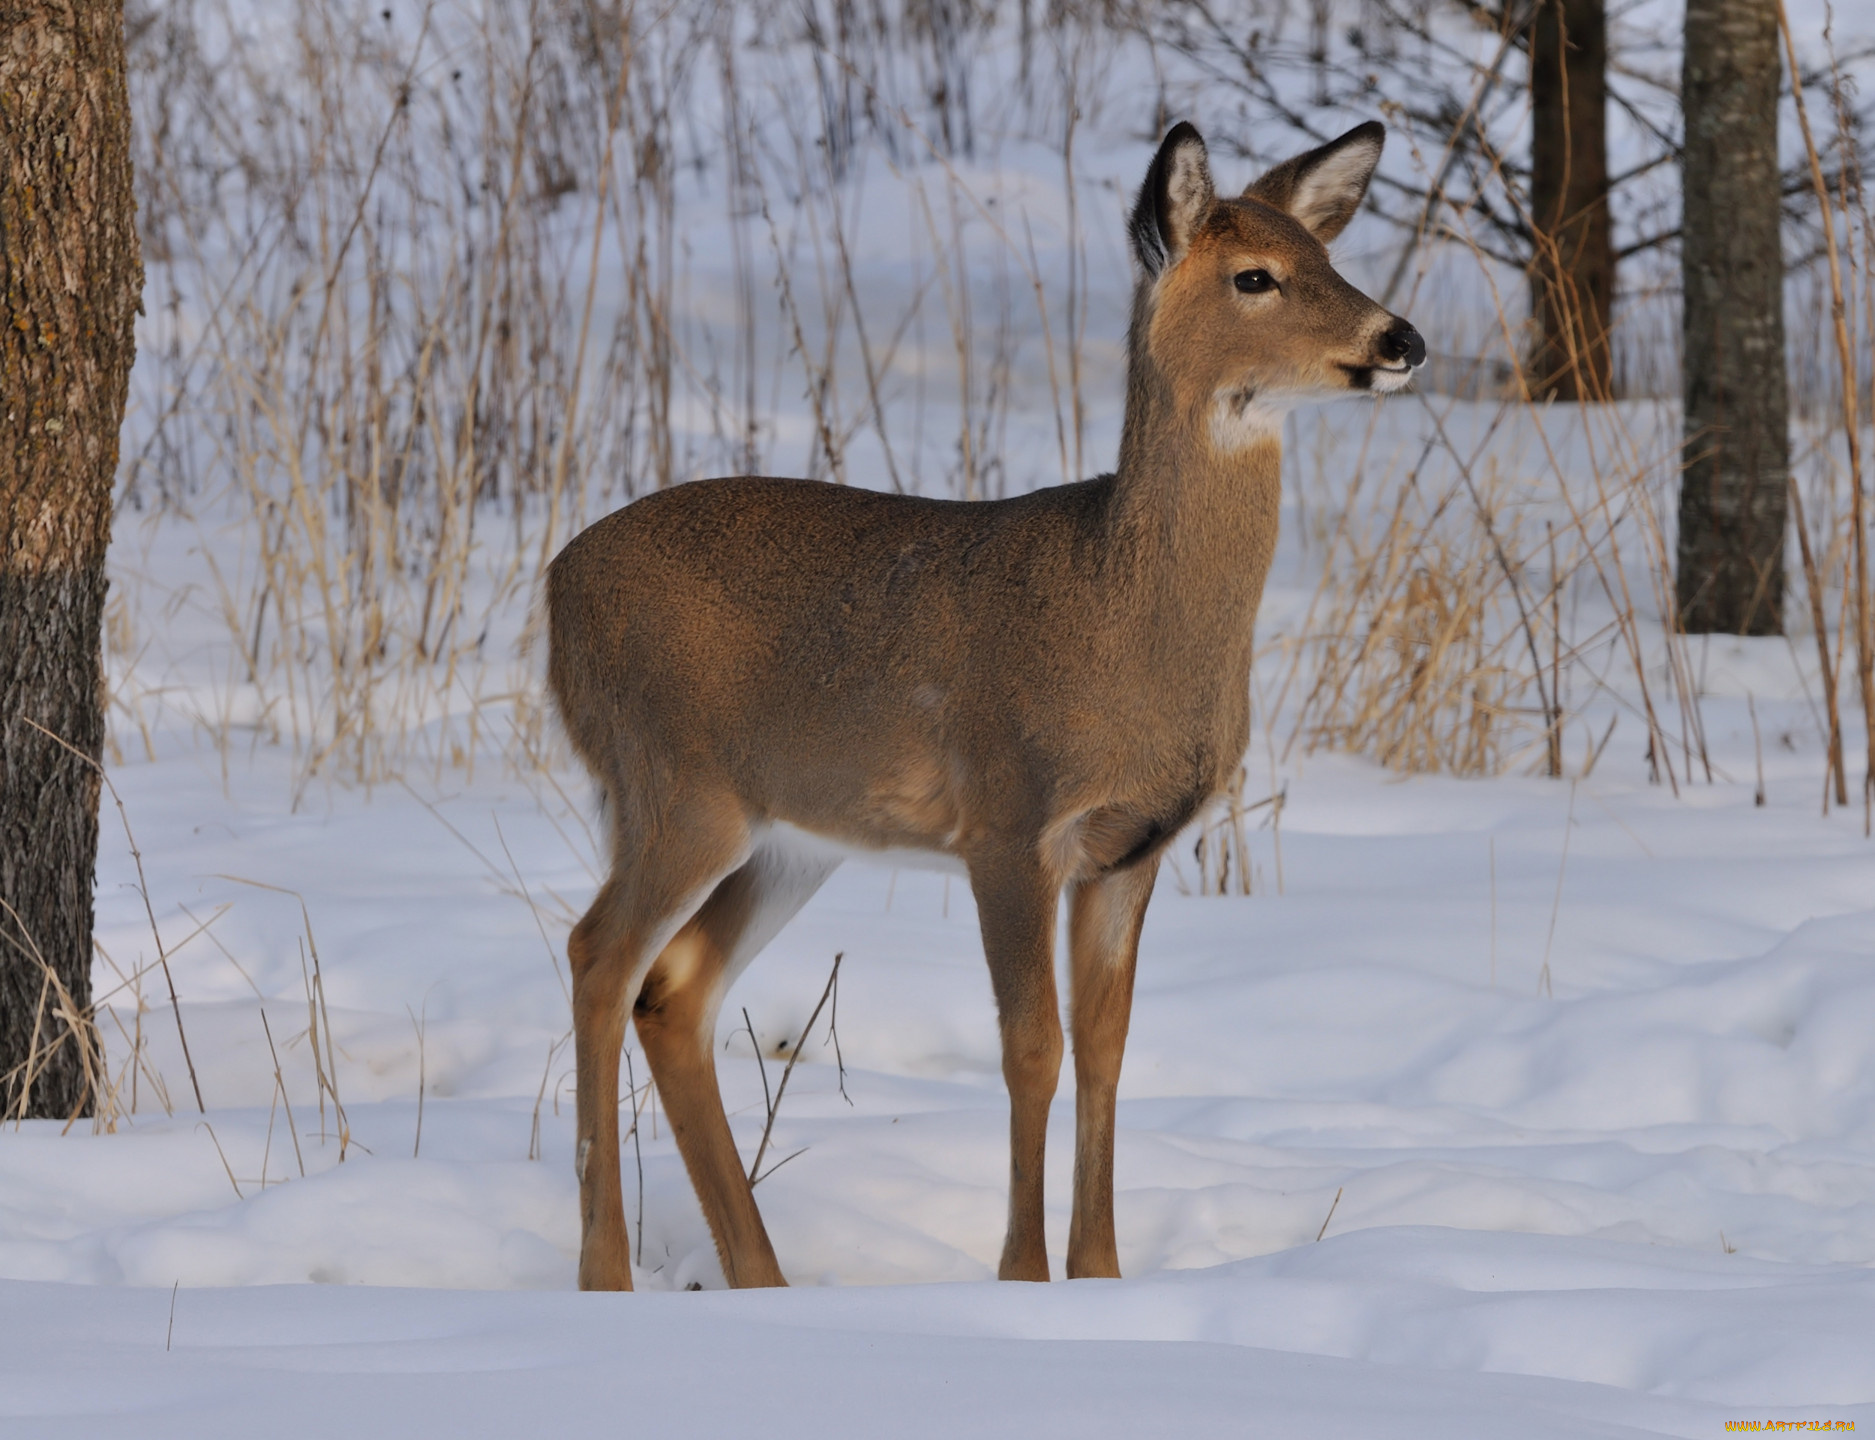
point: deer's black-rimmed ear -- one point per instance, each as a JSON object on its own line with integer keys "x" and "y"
{"x": 1322, "y": 188}
{"x": 1173, "y": 201}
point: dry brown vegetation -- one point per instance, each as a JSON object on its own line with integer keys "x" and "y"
{"x": 426, "y": 297}
{"x": 421, "y": 304}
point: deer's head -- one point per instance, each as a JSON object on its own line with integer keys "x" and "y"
{"x": 1239, "y": 307}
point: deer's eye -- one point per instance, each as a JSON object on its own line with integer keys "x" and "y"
{"x": 1254, "y": 282}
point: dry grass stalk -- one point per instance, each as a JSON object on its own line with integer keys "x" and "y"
{"x": 143, "y": 890}
{"x": 546, "y": 1071}
{"x": 136, "y": 1065}
{"x": 756, "y": 1173}
{"x": 1221, "y": 849}
{"x": 420, "y": 1025}
{"x": 221, "y": 1155}
{"x": 279, "y": 1085}
{"x": 1852, "y": 428}
{"x": 638, "y": 1153}
{"x": 1407, "y": 665}
{"x": 1543, "y": 981}
{"x": 318, "y": 1018}
{"x": 1333, "y": 1205}
{"x": 69, "y": 1023}
{"x": 1833, "y": 771}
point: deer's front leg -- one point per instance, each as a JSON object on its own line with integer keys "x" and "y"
{"x": 1104, "y": 920}
{"x": 1016, "y": 906}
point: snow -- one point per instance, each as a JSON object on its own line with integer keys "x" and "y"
{"x": 1638, "y": 1201}
{"x": 1395, "y": 1333}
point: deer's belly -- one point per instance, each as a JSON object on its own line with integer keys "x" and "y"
{"x": 809, "y": 845}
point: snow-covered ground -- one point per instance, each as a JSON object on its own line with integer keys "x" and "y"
{"x": 1378, "y": 1335}
{"x": 1637, "y": 1199}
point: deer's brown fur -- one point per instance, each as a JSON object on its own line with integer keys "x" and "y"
{"x": 1046, "y": 688}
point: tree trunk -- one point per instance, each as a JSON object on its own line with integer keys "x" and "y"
{"x": 70, "y": 281}
{"x": 1572, "y": 272}
{"x": 1736, "y": 460}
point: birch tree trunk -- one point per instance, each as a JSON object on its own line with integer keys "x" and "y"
{"x": 1736, "y": 456}
{"x": 70, "y": 281}
{"x": 1572, "y": 270}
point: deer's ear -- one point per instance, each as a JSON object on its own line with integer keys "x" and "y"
{"x": 1323, "y": 188}
{"x": 1173, "y": 201}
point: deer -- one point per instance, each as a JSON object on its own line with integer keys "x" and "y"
{"x": 766, "y": 675}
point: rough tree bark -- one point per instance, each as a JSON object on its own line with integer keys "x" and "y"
{"x": 1572, "y": 271}
{"x": 1736, "y": 458}
{"x": 70, "y": 282}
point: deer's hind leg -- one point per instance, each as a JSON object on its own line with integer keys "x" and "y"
{"x": 655, "y": 886}
{"x": 676, "y": 1019}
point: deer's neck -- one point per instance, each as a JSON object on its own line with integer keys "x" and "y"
{"x": 1198, "y": 493}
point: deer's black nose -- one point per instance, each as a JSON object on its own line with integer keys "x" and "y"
{"x": 1403, "y": 342}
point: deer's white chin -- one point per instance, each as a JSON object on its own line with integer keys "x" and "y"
{"x": 1387, "y": 379}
